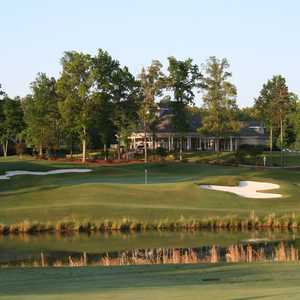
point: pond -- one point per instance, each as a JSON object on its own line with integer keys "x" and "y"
{"x": 149, "y": 247}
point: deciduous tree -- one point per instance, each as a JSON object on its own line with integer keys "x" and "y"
{"x": 184, "y": 77}
{"x": 274, "y": 104}
{"x": 41, "y": 114}
{"x": 219, "y": 100}
{"x": 152, "y": 81}
{"x": 11, "y": 124}
{"x": 75, "y": 90}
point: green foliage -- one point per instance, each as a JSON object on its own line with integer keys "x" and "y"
{"x": 2, "y": 93}
{"x": 274, "y": 105}
{"x": 219, "y": 100}
{"x": 125, "y": 105}
{"x": 246, "y": 152}
{"x": 292, "y": 131}
{"x": 97, "y": 102}
{"x": 74, "y": 88}
{"x": 152, "y": 81}
{"x": 104, "y": 70}
{"x": 11, "y": 122}
{"x": 184, "y": 77}
{"x": 41, "y": 115}
{"x": 247, "y": 114}
{"x": 161, "y": 151}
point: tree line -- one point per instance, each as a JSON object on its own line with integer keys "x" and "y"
{"x": 96, "y": 101}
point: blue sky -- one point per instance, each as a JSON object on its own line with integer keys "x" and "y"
{"x": 260, "y": 38}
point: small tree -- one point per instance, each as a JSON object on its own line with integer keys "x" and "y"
{"x": 152, "y": 81}
{"x": 273, "y": 105}
{"x": 74, "y": 88}
{"x": 125, "y": 105}
{"x": 41, "y": 114}
{"x": 104, "y": 69}
{"x": 11, "y": 122}
{"x": 219, "y": 100}
{"x": 183, "y": 78}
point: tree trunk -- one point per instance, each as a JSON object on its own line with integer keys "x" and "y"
{"x": 40, "y": 150}
{"x": 145, "y": 145}
{"x": 5, "y": 147}
{"x": 83, "y": 145}
{"x": 281, "y": 141}
{"x": 84, "y": 150}
{"x": 71, "y": 150}
{"x": 105, "y": 151}
{"x": 271, "y": 139}
{"x": 153, "y": 141}
{"x": 119, "y": 151}
{"x": 271, "y": 145}
{"x": 180, "y": 149}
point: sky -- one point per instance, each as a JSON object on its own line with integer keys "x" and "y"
{"x": 260, "y": 38}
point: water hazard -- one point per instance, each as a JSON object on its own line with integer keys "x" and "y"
{"x": 115, "y": 248}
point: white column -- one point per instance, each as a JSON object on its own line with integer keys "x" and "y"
{"x": 189, "y": 143}
{"x": 231, "y": 145}
{"x": 134, "y": 144}
{"x": 200, "y": 144}
{"x": 169, "y": 142}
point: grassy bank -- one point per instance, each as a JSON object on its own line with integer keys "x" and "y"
{"x": 232, "y": 222}
{"x": 217, "y": 281}
{"x": 114, "y": 197}
{"x": 276, "y": 158}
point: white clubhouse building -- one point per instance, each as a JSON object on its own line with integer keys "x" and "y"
{"x": 251, "y": 133}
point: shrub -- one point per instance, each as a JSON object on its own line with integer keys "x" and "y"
{"x": 248, "y": 153}
{"x": 170, "y": 157}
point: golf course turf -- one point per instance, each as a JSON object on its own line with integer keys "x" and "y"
{"x": 118, "y": 193}
{"x": 161, "y": 282}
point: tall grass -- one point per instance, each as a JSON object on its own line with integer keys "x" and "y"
{"x": 233, "y": 254}
{"x": 252, "y": 221}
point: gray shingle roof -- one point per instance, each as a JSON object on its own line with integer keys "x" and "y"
{"x": 247, "y": 128}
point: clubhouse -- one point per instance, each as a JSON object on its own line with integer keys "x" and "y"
{"x": 251, "y": 133}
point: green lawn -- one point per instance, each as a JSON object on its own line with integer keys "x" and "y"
{"x": 290, "y": 159}
{"x": 117, "y": 192}
{"x": 161, "y": 282}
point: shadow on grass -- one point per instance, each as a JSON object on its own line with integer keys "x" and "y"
{"x": 93, "y": 279}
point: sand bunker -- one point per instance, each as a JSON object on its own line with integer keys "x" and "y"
{"x": 248, "y": 189}
{"x": 9, "y": 174}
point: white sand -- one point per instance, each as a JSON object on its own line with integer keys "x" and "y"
{"x": 9, "y": 174}
{"x": 248, "y": 189}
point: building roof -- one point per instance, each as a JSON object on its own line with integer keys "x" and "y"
{"x": 247, "y": 128}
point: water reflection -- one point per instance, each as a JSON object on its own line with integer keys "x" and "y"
{"x": 272, "y": 252}
{"x": 116, "y": 248}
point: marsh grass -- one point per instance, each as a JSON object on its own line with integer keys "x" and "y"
{"x": 252, "y": 221}
{"x": 236, "y": 253}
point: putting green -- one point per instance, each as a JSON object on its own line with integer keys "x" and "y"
{"x": 117, "y": 192}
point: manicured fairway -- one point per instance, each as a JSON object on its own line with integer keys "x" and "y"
{"x": 117, "y": 192}
{"x": 160, "y": 282}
